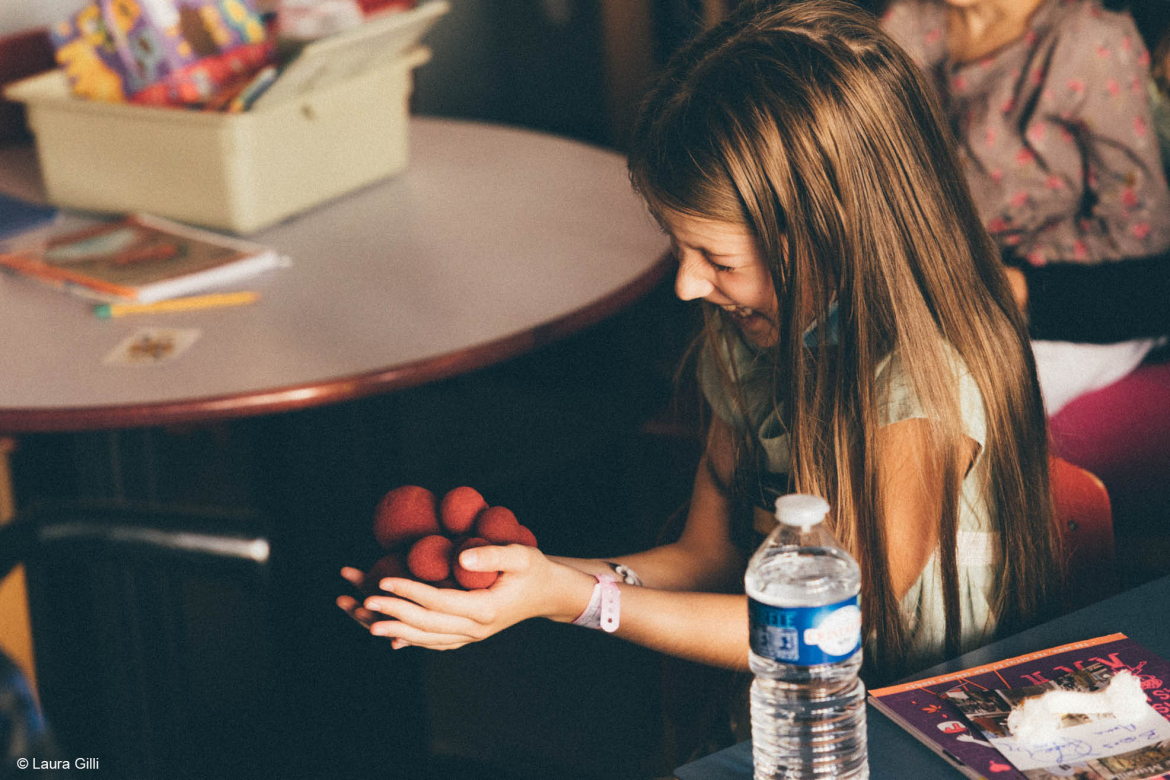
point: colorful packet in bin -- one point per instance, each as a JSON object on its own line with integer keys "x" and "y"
{"x": 230, "y": 23}
{"x": 148, "y": 37}
{"x": 87, "y": 52}
{"x": 117, "y": 50}
{"x": 201, "y": 82}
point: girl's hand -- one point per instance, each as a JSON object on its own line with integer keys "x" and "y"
{"x": 349, "y": 604}
{"x": 530, "y": 585}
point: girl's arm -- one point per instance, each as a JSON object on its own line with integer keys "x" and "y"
{"x": 710, "y": 628}
{"x": 706, "y": 627}
{"x": 910, "y": 469}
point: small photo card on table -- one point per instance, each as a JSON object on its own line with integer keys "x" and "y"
{"x": 151, "y": 346}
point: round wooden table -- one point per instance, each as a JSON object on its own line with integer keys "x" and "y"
{"x": 493, "y": 242}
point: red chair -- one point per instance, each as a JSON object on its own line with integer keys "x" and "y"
{"x": 1121, "y": 434}
{"x": 1084, "y": 524}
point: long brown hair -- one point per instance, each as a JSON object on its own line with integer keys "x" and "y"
{"x": 804, "y": 122}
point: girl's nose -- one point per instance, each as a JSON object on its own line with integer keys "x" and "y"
{"x": 690, "y": 283}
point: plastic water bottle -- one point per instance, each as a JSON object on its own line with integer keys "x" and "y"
{"x": 807, "y": 702}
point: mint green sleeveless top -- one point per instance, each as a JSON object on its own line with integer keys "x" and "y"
{"x": 922, "y": 606}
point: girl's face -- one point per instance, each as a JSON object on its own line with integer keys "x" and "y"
{"x": 721, "y": 262}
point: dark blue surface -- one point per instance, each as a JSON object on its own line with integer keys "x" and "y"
{"x": 1143, "y": 614}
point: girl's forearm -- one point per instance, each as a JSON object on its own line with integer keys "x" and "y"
{"x": 708, "y": 628}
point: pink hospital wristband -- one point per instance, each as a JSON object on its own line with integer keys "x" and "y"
{"x": 604, "y": 606}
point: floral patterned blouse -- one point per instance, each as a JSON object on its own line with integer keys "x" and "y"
{"x": 1055, "y": 130}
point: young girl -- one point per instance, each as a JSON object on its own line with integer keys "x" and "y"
{"x": 861, "y": 344}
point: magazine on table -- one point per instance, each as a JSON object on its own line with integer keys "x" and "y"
{"x": 963, "y": 715}
{"x": 136, "y": 259}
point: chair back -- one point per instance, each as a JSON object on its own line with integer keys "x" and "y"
{"x": 1084, "y": 519}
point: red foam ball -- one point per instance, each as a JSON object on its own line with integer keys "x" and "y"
{"x": 430, "y": 558}
{"x": 459, "y": 508}
{"x": 392, "y": 565}
{"x": 404, "y": 514}
{"x": 472, "y": 580}
{"x": 498, "y": 525}
{"x": 526, "y": 537}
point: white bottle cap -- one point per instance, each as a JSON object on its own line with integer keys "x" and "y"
{"x": 802, "y": 510}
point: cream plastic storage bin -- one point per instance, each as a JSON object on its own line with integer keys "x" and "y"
{"x": 235, "y": 172}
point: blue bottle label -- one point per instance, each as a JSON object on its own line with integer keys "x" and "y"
{"x": 805, "y": 636}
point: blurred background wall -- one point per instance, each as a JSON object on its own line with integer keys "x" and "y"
{"x": 575, "y": 67}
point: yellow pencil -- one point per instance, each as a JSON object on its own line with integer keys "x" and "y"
{"x": 107, "y": 310}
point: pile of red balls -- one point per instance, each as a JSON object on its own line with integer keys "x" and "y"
{"x": 423, "y": 537}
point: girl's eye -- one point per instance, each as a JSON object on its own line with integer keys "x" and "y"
{"x": 719, "y": 267}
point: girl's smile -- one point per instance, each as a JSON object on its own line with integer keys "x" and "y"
{"x": 721, "y": 263}
{"x": 754, "y": 325}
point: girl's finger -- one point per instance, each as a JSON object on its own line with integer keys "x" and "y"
{"x": 440, "y": 647}
{"x": 420, "y": 617}
{"x": 352, "y": 575}
{"x": 512, "y": 557}
{"x": 448, "y": 600}
{"x": 356, "y": 611}
{"x": 417, "y": 637}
